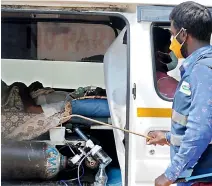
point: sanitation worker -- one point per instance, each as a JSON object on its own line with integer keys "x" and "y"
{"x": 191, "y": 123}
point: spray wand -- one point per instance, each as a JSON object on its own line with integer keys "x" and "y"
{"x": 105, "y": 124}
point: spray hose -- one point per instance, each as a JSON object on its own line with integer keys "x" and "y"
{"x": 105, "y": 124}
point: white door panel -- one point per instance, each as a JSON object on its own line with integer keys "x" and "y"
{"x": 145, "y": 162}
{"x": 151, "y": 161}
{"x": 144, "y": 126}
{"x": 150, "y": 166}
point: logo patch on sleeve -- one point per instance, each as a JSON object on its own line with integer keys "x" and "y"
{"x": 185, "y": 88}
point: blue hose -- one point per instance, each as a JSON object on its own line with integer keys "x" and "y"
{"x": 198, "y": 177}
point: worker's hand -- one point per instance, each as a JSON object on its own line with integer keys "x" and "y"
{"x": 158, "y": 138}
{"x": 162, "y": 181}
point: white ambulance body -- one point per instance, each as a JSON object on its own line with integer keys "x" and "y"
{"x": 127, "y": 72}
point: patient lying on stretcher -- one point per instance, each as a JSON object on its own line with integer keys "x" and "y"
{"x": 24, "y": 119}
{"x": 21, "y": 118}
{"x": 88, "y": 101}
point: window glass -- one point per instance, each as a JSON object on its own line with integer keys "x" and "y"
{"x": 165, "y": 62}
{"x": 55, "y": 41}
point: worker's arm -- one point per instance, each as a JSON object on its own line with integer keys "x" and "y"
{"x": 199, "y": 125}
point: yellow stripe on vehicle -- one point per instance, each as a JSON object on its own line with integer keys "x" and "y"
{"x": 154, "y": 112}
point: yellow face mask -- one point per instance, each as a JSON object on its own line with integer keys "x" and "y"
{"x": 176, "y": 46}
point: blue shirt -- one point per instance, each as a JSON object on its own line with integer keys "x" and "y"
{"x": 197, "y": 133}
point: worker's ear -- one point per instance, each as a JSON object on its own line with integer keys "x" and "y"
{"x": 183, "y": 35}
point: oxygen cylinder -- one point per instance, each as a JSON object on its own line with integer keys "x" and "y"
{"x": 27, "y": 160}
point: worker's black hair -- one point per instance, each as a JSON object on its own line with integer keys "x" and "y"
{"x": 195, "y": 18}
{"x": 161, "y": 39}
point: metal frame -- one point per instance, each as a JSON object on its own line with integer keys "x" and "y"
{"x": 155, "y": 13}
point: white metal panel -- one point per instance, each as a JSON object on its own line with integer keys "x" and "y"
{"x": 115, "y": 68}
{"x": 155, "y": 13}
{"x": 143, "y": 167}
{"x": 56, "y": 74}
{"x": 70, "y": 2}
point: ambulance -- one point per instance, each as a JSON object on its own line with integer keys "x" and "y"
{"x": 109, "y": 44}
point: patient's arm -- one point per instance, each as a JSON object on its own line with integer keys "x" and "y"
{"x": 30, "y": 105}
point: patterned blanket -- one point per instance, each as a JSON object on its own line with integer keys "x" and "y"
{"x": 19, "y": 125}
{"x": 26, "y": 126}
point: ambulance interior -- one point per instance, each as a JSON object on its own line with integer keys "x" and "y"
{"x": 85, "y": 56}
{"x": 49, "y": 54}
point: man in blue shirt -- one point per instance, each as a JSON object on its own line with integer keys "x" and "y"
{"x": 191, "y": 127}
